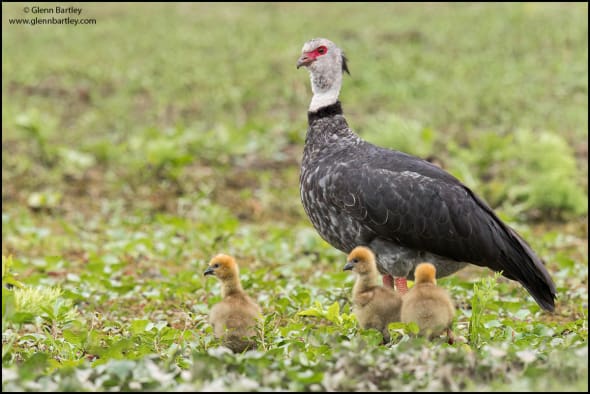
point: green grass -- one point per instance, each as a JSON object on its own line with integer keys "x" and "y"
{"x": 137, "y": 148}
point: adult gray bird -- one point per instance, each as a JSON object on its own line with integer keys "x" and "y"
{"x": 405, "y": 209}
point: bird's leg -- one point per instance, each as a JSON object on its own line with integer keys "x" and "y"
{"x": 401, "y": 284}
{"x": 450, "y": 336}
{"x": 388, "y": 281}
{"x": 386, "y": 337}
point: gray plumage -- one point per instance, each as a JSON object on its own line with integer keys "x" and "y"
{"x": 405, "y": 209}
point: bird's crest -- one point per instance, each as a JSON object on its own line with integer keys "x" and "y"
{"x": 345, "y": 65}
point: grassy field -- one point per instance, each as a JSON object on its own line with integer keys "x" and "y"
{"x": 136, "y": 148}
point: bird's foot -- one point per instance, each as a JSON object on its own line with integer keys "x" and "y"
{"x": 388, "y": 281}
{"x": 401, "y": 284}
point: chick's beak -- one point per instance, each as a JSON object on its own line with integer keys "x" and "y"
{"x": 349, "y": 266}
{"x": 209, "y": 271}
{"x": 304, "y": 60}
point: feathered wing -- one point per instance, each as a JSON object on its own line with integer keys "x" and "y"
{"x": 415, "y": 204}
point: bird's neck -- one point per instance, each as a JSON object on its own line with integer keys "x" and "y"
{"x": 366, "y": 282}
{"x": 326, "y": 89}
{"x": 324, "y": 112}
{"x": 231, "y": 286}
{"x": 425, "y": 283}
{"x": 323, "y": 99}
{"x": 327, "y": 130}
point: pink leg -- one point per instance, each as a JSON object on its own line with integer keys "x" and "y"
{"x": 388, "y": 281}
{"x": 401, "y": 284}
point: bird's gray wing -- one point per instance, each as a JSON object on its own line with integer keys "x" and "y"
{"x": 420, "y": 208}
{"x": 416, "y": 211}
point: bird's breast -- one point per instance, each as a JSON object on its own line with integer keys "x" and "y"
{"x": 336, "y": 227}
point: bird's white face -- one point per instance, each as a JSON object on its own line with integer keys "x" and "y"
{"x": 323, "y": 59}
{"x": 326, "y": 64}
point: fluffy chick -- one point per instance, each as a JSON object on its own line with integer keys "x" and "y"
{"x": 235, "y": 317}
{"x": 428, "y": 305}
{"x": 373, "y": 305}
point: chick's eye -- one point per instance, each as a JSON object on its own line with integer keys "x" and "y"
{"x": 216, "y": 265}
{"x": 322, "y": 50}
{"x": 355, "y": 261}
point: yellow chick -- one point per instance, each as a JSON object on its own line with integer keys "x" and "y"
{"x": 235, "y": 317}
{"x": 373, "y": 305}
{"x": 428, "y": 305}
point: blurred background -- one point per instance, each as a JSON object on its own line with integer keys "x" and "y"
{"x": 157, "y": 101}
{"x": 195, "y": 114}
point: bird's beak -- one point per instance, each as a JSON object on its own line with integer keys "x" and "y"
{"x": 304, "y": 60}
{"x": 209, "y": 271}
{"x": 348, "y": 266}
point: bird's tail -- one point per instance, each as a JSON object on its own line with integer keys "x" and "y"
{"x": 528, "y": 269}
{"x": 518, "y": 261}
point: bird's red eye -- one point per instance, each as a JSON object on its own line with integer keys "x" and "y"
{"x": 321, "y": 50}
